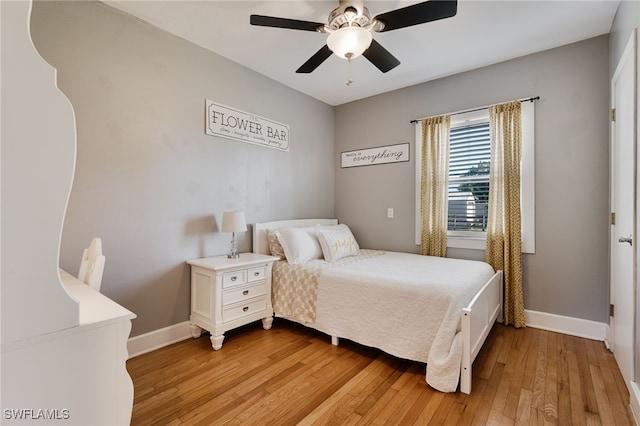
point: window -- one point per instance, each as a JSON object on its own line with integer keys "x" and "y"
{"x": 469, "y": 162}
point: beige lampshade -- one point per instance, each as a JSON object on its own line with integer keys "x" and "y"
{"x": 234, "y": 222}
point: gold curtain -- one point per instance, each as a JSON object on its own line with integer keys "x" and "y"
{"x": 504, "y": 234}
{"x": 434, "y": 185}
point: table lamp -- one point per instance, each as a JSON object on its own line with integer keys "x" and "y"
{"x": 233, "y": 222}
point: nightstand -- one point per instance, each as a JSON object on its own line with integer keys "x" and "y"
{"x": 227, "y": 293}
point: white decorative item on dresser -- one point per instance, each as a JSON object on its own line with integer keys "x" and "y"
{"x": 228, "y": 293}
{"x": 92, "y": 265}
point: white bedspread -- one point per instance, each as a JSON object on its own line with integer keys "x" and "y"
{"x": 405, "y": 304}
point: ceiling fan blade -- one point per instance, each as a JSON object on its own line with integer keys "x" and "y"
{"x": 420, "y": 13}
{"x": 314, "y": 62}
{"x": 292, "y": 24}
{"x": 380, "y": 57}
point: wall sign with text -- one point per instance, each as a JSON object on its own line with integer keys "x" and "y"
{"x": 245, "y": 127}
{"x": 371, "y": 156}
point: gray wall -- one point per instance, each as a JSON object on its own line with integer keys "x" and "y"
{"x": 148, "y": 180}
{"x": 568, "y": 274}
{"x": 153, "y": 186}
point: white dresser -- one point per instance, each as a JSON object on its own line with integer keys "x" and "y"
{"x": 227, "y": 293}
{"x": 64, "y": 345}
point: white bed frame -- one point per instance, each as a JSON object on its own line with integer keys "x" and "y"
{"x": 477, "y": 318}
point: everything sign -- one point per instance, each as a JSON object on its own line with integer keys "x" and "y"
{"x": 245, "y": 127}
{"x": 380, "y": 155}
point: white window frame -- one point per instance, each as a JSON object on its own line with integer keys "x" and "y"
{"x": 527, "y": 181}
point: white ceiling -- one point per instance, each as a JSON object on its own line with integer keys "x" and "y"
{"x": 482, "y": 33}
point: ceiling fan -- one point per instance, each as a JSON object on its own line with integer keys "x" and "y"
{"x": 350, "y": 28}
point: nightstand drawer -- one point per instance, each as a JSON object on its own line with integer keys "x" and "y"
{"x": 255, "y": 274}
{"x": 240, "y": 310}
{"x": 244, "y": 293}
{"x": 234, "y": 278}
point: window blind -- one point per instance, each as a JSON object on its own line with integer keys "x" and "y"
{"x": 469, "y": 162}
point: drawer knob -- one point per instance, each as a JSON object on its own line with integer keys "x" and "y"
{"x": 245, "y": 309}
{"x": 256, "y": 274}
{"x": 244, "y": 293}
{"x": 233, "y": 278}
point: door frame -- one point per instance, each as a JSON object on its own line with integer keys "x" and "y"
{"x": 630, "y": 53}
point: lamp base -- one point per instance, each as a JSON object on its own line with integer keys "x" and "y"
{"x": 234, "y": 251}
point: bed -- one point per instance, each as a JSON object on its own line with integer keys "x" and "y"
{"x": 448, "y": 306}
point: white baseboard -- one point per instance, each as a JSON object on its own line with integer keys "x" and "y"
{"x": 157, "y": 339}
{"x": 567, "y": 325}
{"x": 634, "y": 397}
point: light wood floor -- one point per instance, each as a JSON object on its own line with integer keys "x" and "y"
{"x": 291, "y": 374}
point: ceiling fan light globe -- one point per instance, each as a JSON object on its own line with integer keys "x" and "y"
{"x": 349, "y": 40}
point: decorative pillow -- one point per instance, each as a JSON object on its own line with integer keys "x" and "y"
{"x": 300, "y": 244}
{"x": 275, "y": 248}
{"x": 337, "y": 242}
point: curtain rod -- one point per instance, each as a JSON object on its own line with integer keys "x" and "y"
{"x": 532, "y": 99}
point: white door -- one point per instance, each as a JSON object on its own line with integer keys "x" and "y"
{"x": 622, "y": 200}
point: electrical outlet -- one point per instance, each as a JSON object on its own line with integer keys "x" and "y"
{"x": 390, "y": 213}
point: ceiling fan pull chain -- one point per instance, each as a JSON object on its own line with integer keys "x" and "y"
{"x": 349, "y": 80}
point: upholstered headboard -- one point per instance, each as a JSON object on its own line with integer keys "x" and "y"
{"x": 260, "y": 239}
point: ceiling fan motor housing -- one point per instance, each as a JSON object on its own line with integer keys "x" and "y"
{"x": 347, "y": 17}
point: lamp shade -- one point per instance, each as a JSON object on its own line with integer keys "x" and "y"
{"x": 349, "y": 42}
{"x": 233, "y": 222}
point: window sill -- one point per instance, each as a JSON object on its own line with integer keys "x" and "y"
{"x": 481, "y": 244}
{"x": 467, "y": 243}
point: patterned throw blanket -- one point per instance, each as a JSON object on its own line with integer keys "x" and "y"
{"x": 295, "y": 287}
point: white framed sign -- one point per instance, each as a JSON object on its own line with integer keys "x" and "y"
{"x": 245, "y": 127}
{"x": 372, "y": 156}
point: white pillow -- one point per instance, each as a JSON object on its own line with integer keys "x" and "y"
{"x": 337, "y": 242}
{"x": 300, "y": 244}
